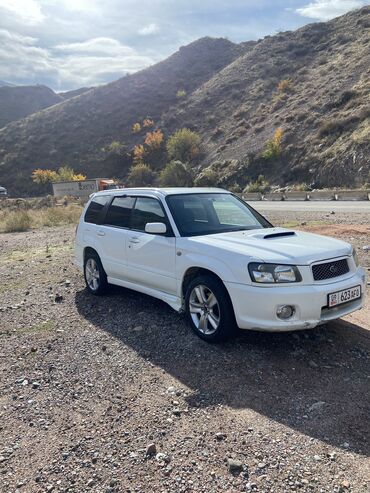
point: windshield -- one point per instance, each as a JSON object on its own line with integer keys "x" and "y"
{"x": 209, "y": 213}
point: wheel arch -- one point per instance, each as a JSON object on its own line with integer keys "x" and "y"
{"x": 193, "y": 272}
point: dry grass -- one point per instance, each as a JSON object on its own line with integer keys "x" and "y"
{"x": 22, "y": 220}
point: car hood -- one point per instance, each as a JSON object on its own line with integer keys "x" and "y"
{"x": 278, "y": 245}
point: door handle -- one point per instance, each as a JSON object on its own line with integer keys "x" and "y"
{"x": 134, "y": 239}
{"x": 101, "y": 233}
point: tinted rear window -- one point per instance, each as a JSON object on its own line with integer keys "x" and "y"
{"x": 95, "y": 207}
{"x": 119, "y": 212}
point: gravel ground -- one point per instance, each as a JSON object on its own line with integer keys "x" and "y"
{"x": 115, "y": 394}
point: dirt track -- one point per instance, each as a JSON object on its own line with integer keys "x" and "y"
{"x": 88, "y": 383}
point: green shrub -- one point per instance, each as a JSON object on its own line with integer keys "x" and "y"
{"x": 175, "y": 174}
{"x": 17, "y": 221}
{"x": 184, "y": 145}
{"x": 260, "y": 185}
{"x": 273, "y": 146}
{"x": 181, "y": 93}
{"x": 207, "y": 178}
{"x": 140, "y": 175}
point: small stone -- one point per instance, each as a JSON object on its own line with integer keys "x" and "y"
{"x": 151, "y": 450}
{"x": 36, "y": 385}
{"x": 58, "y": 298}
{"x": 67, "y": 283}
{"x": 345, "y": 484}
{"x": 176, "y": 412}
{"x": 312, "y": 364}
{"x": 164, "y": 458}
{"x": 316, "y": 406}
{"x": 261, "y": 465}
{"x": 332, "y": 455}
{"x": 234, "y": 466}
{"x": 317, "y": 458}
{"x": 220, "y": 436}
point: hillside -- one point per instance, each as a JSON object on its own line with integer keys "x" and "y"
{"x": 324, "y": 110}
{"x": 312, "y": 83}
{"x": 17, "y": 102}
{"x": 75, "y": 131}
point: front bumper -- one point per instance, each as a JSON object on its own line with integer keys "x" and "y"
{"x": 255, "y": 306}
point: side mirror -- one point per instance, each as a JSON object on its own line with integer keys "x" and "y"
{"x": 155, "y": 228}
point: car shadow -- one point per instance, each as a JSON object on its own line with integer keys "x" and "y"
{"x": 315, "y": 382}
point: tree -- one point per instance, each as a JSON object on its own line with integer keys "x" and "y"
{"x": 175, "y": 174}
{"x": 139, "y": 153}
{"x": 65, "y": 173}
{"x": 140, "y": 175}
{"x": 154, "y": 140}
{"x": 184, "y": 145}
{"x": 136, "y": 127}
{"x": 273, "y": 146}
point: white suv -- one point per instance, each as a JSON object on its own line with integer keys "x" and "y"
{"x": 205, "y": 251}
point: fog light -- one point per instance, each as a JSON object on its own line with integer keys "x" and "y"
{"x": 285, "y": 311}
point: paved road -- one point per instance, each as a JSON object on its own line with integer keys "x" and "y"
{"x": 340, "y": 206}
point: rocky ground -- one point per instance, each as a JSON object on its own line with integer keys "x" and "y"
{"x": 115, "y": 394}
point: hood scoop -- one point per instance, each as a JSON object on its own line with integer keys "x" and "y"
{"x": 280, "y": 234}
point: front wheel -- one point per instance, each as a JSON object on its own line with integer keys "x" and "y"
{"x": 209, "y": 309}
{"x": 95, "y": 276}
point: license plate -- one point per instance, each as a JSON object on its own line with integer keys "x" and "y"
{"x": 344, "y": 296}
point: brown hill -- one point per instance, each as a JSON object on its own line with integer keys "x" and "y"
{"x": 323, "y": 107}
{"x": 17, "y": 102}
{"x": 75, "y": 131}
{"x": 313, "y": 83}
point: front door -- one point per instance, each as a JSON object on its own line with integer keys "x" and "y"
{"x": 150, "y": 257}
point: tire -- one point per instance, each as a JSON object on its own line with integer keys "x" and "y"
{"x": 94, "y": 273}
{"x": 209, "y": 309}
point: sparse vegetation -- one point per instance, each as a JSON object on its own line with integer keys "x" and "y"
{"x": 147, "y": 122}
{"x": 65, "y": 173}
{"x": 274, "y": 146}
{"x": 184, "y": 146}
{"x": 175, "y": 174}
{"x": 17, "y": 221}
{"x": 260, "y": 185}
{"x": 285, "y": 85}
{"x": 140, "y": 175}
{"x": 181, "y": 93}
{"x": 136, "y": 128}
{"x": 139, "y": 153}
{"x": 23, "y": 217}
{"x": 115, "y": 147}
{"x": 207, "y": 178}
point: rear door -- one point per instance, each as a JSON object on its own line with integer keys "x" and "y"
{"x": 151, "y": 257}
{"x": 113, "y": 236}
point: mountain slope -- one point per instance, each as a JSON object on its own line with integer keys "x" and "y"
{"x": 17, "y": 102}
{"x": 313, "y": 83}
{"x": 75, "y": 131}
{"x": 324, "y": 110}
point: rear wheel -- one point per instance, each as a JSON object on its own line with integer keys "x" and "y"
{"x": 209, "y": 309}
{"x": 95, "y": 276}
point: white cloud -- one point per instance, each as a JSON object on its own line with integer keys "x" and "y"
{"x": 25, "y": 11}
{"x": 90, "y": 62}
{"x": 149, "y": 29}
{"x": 97, "y": 46}
{"x": 327, "y": 9}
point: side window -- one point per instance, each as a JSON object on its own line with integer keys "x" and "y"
{"x": 119, "y": 212}
{"x": 95, "y": 207}
{"x": 147, "y": 210}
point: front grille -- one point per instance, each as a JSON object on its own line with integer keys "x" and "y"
{"x": 328, "y": 270}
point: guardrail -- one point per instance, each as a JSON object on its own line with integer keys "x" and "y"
{"x": 322, "y": 195}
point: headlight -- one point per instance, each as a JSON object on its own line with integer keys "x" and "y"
{"x": 355, "y": 257}
{"x": 274, "y": 273}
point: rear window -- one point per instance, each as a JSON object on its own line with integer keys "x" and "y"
{"x": 119, "y": 212}
{"x": 95, "y": 207}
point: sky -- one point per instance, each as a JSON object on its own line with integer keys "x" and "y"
{"x": 67, "y": 44}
